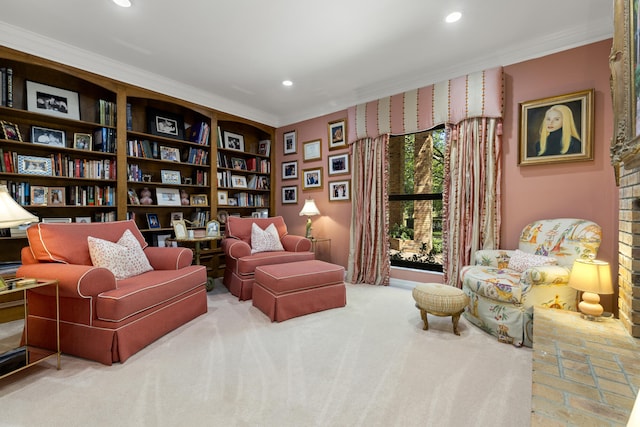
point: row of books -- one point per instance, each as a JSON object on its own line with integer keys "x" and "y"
{"x": 247, "y": 199}
{"x": 200, "y": 133}
{"x": 104, "y": 140}
{"x": 197, "y": 156}
{"x": 73, "y": 195}
{"x": 64, "y": 165}
{"x": 106, "y": 112}
{"x": 6, "y": 86}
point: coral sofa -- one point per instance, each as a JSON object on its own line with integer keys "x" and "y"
{"x": 240, "y": 262}
{"x": 103, "y": 318}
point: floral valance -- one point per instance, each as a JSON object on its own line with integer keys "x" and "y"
{"x": 474, "y": 95}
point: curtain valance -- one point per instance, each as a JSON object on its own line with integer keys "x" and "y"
{"x": 474, "y": 95}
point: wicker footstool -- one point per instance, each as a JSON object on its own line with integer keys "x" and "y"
{"x": 440, "y": 300}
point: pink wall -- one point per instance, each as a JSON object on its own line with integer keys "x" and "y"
{"x": 583, "y": 189}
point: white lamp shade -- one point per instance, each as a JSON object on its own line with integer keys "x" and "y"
{"x": 309, "y": 208}
{"x": 11, "y": 213}
{"x": 591, "y": 276}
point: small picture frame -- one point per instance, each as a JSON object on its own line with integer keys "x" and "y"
{"x": 222, "y": 216}
{"x": 312, "y": 150}
{"x": 238, "y": 164}
{"x": 83, "y": 219}
{"x": 312, "y": 179}
{"x": 232, "y": 201}
{"x": 213, "y": 229}
{"x": 233, "y": 141}
{"x": 168, "y": 196}
{"x": 223, "y": 197}
{"x": 133, "y": 197}
{"x": 57, "y": 196}
{"x": 290, "y": 194}
{"x": 46, "y": 136}
{"x": 162, "y": 123}
{"x": 82, "y": 141}
{"x": 238, "y": 181}
{"x": 39, "y": 195}
{"x": 10, "y": 131}
{"x": 339, "y": 164}
{"x": 339, "y": 191}
{"x": 255, "y": 214}
{"x": 289, "y": 142}
{"x": 264, "y": 147}
{"x": 161, "y": 240}
{"x": 199, "y": 200}
{"x": 34, "y": 165}
{"x": 180, "y": 229}
{"x": 170, "y": 177}
{"x": 558, "y": 129}
{"x": 52, "y": 101}
{"x": 153, "y": 221}
{"x": 171, "y": 154}
{"x": 290, "y": 170}
{"x": 338, "y": 134}
{"x": 177, "y": 216}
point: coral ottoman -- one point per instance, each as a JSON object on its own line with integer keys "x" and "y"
{"x": 440, "y": 300}
{"x": 283, "y": 291}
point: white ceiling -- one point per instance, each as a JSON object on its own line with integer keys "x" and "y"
{"x": 233, "y": 55}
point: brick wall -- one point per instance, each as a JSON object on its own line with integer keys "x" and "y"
{"x": 629, "y": 251}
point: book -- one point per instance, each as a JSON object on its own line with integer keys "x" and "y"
{"x": 9, "y": 87}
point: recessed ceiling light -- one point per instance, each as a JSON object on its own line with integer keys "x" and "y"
{"x": 453, "y": 17}
{"x": 123, "y": 3}
{"x": 287, "y": 83}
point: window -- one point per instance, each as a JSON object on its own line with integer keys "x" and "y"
{"x": 415, "y": 199}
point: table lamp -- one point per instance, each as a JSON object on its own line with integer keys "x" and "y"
{"x": 309, "y": 209}
{"x": 11, "y": 213}
{"x": 592, "y": 277}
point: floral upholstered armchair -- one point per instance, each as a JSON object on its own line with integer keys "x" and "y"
{"x": 504, "y": 285}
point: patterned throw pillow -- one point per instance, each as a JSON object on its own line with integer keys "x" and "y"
{"x": 521, "y": 261}
{"x": 124, "y": 259}
{"x": 265, "y": 240}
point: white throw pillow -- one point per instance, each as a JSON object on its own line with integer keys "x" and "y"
{"x": 124, "y": 259}
{"x": 521, "y": 261}
{"x": 265, "y": 240}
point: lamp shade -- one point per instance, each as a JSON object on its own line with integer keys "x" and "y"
{"x": 309, "y": 208}
{"x": 11, "y": 213}
{"x": 591, "y": 276}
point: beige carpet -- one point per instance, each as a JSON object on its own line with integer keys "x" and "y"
{"x": 368, "y": 364}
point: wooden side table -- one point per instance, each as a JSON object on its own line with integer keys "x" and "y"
{"x": 198, "y": 252}
{"x": 321, "y": 247}
{"x": 27, "y": 355}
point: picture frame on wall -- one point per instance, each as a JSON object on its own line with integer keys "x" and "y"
{"x": 339, "y": 164}
{"x": 233, "y": 141}
{"x": 312, "y": 150}
{"x": 338, "y": 134}
{"x": 82, "y": 141}
{"x": 557, "y": 129}
{"x": 289, "y": 142}
{"x": 290, "y": 170}
{"x": 10, "y": 131}
{"x": 47, "y": 136}
{"x": 339, "y": 190}
{"x": 164, "y": 123}
{"x": 52, "y": 101}
{"x": 312, "y": 179}
{"x": 290, "y": 194}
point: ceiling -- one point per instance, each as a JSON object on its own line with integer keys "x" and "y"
{"x": 233, "y": 55}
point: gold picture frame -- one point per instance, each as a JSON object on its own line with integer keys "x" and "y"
{"x": 337, "y": 134}
{"x": 557, "y": 129}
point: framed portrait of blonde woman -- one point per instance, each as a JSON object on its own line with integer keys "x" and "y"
{"x": 556, "y": 129}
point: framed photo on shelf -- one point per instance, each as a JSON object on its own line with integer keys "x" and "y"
{"x": 290, "y": 170}
{"x": 52, "y": 101}
{"x": 180, "y": 229}
{"x": 264, "y": 147}
{"x": 311, "y": 178}
{"x": 233, "y": 141}
{"x": 222, "y": 216}
{"x": 170, "y": 177}
{"x": 312, "y": 150}
{"x": 57, "y": 196}
{"x": 290, "y": 142}
{"x": 83, "y": 219}
{"x": 38, "y": 195}
{"x": 10, "y": 131}
{"x": 199, "y": 200}
{"x": 223, "y": 197}
{"x": 153, "y": 221}
{"x": 177, "y": 216}
{"x": 233, "y": 201}
{"x": 46, "y": 136}
{"x": 290, "y": 194}
{"x": 34, "y": 165}
{"x": 133, "y": 197}
{"x": 339, "y": 164}
{"x": 339, "y": 190}
{"x": 238, "y": 164}
{"x": 82, "y": 141}
{"x": 171, "y": 154}
{"x": 213, "y": 229}
{"x": 161, "y": 240}
{"x": 162, "y": 123}
{"x": 168, "y": 196}
{"x": 557, "y": 129}
{"x": 238, "y": 181}
{"x": 338, "y": 134}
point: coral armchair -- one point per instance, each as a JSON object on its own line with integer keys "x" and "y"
{"x": 504, "y": 285}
